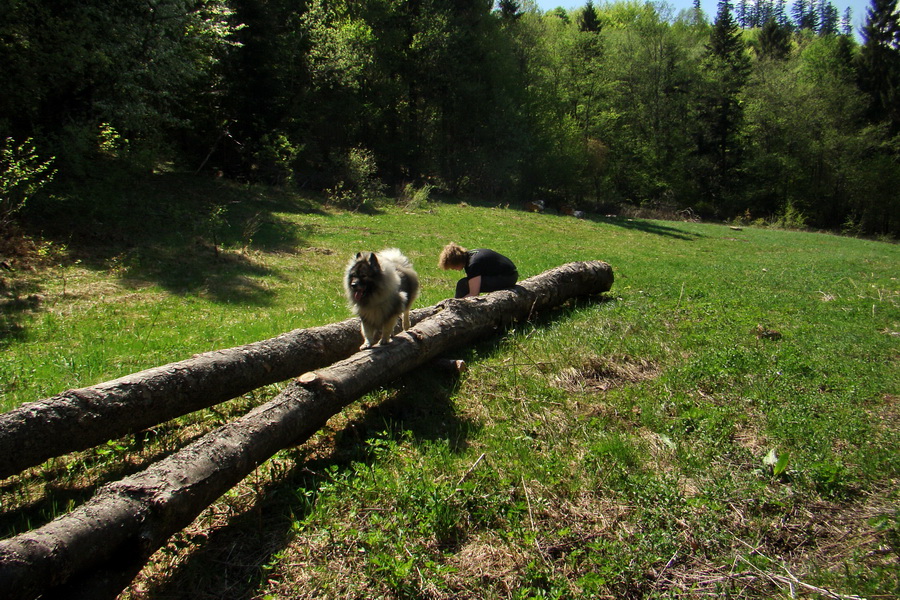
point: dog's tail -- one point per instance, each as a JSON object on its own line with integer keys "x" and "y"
{"x": 395, "y": 256}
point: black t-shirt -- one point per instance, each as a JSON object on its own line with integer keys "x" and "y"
{"x": 490, "y": 263}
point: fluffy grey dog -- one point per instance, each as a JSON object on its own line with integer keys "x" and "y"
{"x": 380, "y": 286}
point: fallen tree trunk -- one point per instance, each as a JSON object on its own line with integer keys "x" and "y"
{"x": 83, "y": 418}
{"x": 128, "y": 520}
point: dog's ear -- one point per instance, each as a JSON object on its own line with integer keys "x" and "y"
{"x": 373, "y": 261}
{"x": 358, "y": 255}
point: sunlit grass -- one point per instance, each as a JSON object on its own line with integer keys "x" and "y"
{"x": 725, "y": 414}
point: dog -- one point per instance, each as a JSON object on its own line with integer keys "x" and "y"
{"x": 380, "y": 286}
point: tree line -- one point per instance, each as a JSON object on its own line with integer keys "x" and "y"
{"x": 762, "y": 111}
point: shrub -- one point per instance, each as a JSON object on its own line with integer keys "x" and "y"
{"x": 412, "y": 197}
{"x": 360, "y": 187}
{"x": 790, "y": 218}
{"x": 22, "y": 174}
{"x": 274, "y": 160}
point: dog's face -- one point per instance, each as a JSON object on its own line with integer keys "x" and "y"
{"x": 363, "y": 276}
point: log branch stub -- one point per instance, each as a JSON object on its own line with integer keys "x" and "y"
{"x": 450, "y": 365}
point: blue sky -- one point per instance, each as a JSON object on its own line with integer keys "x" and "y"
{"x": 858, "y": 7}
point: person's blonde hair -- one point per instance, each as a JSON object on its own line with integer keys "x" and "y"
{"x": 453, "y": 256}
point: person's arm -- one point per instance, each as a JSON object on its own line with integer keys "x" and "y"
{"x": 474, "y": 286}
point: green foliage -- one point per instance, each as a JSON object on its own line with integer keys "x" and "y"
{"x": 790, "y": 218}
{"x": 774, "y": 41}
{"x": 415, "y": 198}
{"x": 359, "y": 186}
{"x": 878, "y": 63}
{"x": 776, "y": 464}
{"x": 110, "y": 142}
{"x": 276, "y": 159}
{"x": 831, "y": 480}
{"x": 805, "y": 153}
{"x": 137, "y": 68}
{"x": 22, "y": 173}
{"x": 510, "y": 10}
{"x": 499, "y": 102}
{"x": 721, "y": 114}
{"x": 653, "y": 70}
{"x": 340, "y": 46}
{"x": 589, "y": 21}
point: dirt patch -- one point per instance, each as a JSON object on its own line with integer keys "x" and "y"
{"x": 599, "y": 374}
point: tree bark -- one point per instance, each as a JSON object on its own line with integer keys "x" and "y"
{"x": 128, "y": 520}
{"x": 83, "y": 418}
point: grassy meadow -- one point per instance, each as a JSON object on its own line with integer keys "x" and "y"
{"x": 723, "y": 423}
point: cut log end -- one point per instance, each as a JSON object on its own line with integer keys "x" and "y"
{"x": 316, "y": 383}
{"x": 308, "y": 378}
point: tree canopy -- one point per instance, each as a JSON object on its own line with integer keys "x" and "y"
{"x": 769, "y": 111}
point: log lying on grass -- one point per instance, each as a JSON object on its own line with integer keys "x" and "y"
{"x": 83, "y": 418}
{"x": 126, "y": 521}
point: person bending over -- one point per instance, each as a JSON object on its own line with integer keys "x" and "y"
{"x": 486, "y": 270}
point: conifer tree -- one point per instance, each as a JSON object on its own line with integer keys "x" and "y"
{"x": 781, "y": 13}
{"x": 878, "y": 64}
{"x": 589, "y": 20}
{"x": 774, "y": 41}
{"x": 828, "y": 18}
{"x": 696, "y": 14}
{"x": 847, "y": 22}
{"x": 806, "y": 15}
{"x": 763, "y": 10}
{"x": 728, "y": 67}
{"x": 743, "y": 12}
{"x": 510, "y": 10}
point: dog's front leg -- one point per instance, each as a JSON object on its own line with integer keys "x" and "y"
{"x": 387, "y": 331}
{"x": 370, "y": 334}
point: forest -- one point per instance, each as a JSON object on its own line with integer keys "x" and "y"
{"x": 762, "y": 113}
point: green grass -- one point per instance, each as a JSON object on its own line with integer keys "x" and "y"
{"x": 725, "y": 420}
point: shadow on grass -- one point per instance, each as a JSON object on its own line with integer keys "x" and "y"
{"x": 649, "y": 227}
{"x": 179, "y": 231}
{"x": 12, "y": 306}
{"x": 54, "y": 488}
{"x": 141, "y": 210}
{"x": 224, "y": 277}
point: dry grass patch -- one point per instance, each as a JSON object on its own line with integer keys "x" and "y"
{"x": 816, "y": 542}
{"x": 599, "y": 374}
{"x": 485, "y": 563}
{"x": 751, "y": 438}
